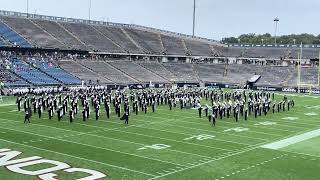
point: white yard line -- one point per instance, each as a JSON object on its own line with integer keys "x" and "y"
{"x": 76, "y": 157}
{"x": 103, "y": 137}
{"x": 117, "y": 129}
{"x": 217, "y": 122}
{"x": 212, "y": 131}
{"x": 292, "y": 140}
{"x": 97, "y": 147}
{"x": 249, "y": 121}
{"x": 191, "y": 167}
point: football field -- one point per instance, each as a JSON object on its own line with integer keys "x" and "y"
{"x": 167, "y": 144}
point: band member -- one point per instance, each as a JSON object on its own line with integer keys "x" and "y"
{"x": 27, "y": 115}
{"x": 19, "y": 99}
{"x": 200, "y": 111}
{"x": 71, "y": 115}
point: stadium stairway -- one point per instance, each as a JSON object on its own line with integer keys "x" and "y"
{"x": 133, "y": 41}
{"x": 213, "y": 50}
{"x": 161, "y": 44}
{"x": 196, "y": 73}
{"x": 188, "y": 52}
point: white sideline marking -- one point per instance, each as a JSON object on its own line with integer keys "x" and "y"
{"x": 292, "y": 140}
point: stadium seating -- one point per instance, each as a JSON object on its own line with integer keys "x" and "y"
{"x": 173, "y": 45}
{"x": 62, "y": 34}
{"x": 85, "y": 74}
{"x": 109, "y": 72}
{"x": 184, "y": 72}
{"x": 309, "y": 75}
{"x": 31, "y": 74}
{"x": 55, "y": 72}
{"x": 11, "y": 80}
{"x": 275, "y": 75}
{"x": 2, "y": 43}
{"x": 238, "y": 73}
{"x": 11, "y": 36}
{"x": 210, "y": 72}
{"x": 117, "y": 35}
{"x": 137, "y": 72}
{"x": 197, "y": 47}
{"x": 159, "y": 69}
{"x": 92, "y": 37}
{"x": 147, "y": 40}
{"x": 33, "y": 33}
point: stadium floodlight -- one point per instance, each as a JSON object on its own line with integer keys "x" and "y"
{"x": 194, "y": 17}
{"x": 275, "y": 20}
{"x": 27, "y": 8}
{"x": 90, "y": 10}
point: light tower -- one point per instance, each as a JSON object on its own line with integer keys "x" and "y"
{"x": 27, "y": 8}
{"x": 194, "y": 17}
{"x": 89, "y": 11}
{"x": 275, "y": 20}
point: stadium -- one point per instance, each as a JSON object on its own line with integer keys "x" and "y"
{"x": 86, "y": 99}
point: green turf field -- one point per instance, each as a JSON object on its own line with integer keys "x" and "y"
{"x": 123, "y": 152}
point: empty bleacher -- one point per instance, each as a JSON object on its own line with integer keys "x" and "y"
{"x": 173, "y": 45}
{"x": 58, "y": 32}
{"x": 137, "y": 72}
{"x": 116, "y": 34}
{"x": 184, "y": 72}
{"x": 147, "y": 40}
{"x": 109, "y": 72}
{"x": 82, "y": 72}
{"x": 159, "y": 69}
{"x": 275, "y": 75}
{"x": 33, "y": 33}
{"x": 239, "y": 73}
{"x": 197, "y": 47}
{"x": 15, "y": 39}
{"x": 210, "y": 72}
{"x": 93, "y": 39}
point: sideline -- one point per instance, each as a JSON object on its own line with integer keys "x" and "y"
{"x": 292, "y": 140}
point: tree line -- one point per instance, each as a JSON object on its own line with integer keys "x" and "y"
{"x": 267, "y": 38}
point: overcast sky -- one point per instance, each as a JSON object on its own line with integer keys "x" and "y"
{"x": 215, "y": 18}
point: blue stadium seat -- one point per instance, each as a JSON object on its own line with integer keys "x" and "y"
{"x": 56, "y": 72}
{"x": 32, "y": 74}
{"x": 12, "y": 36}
